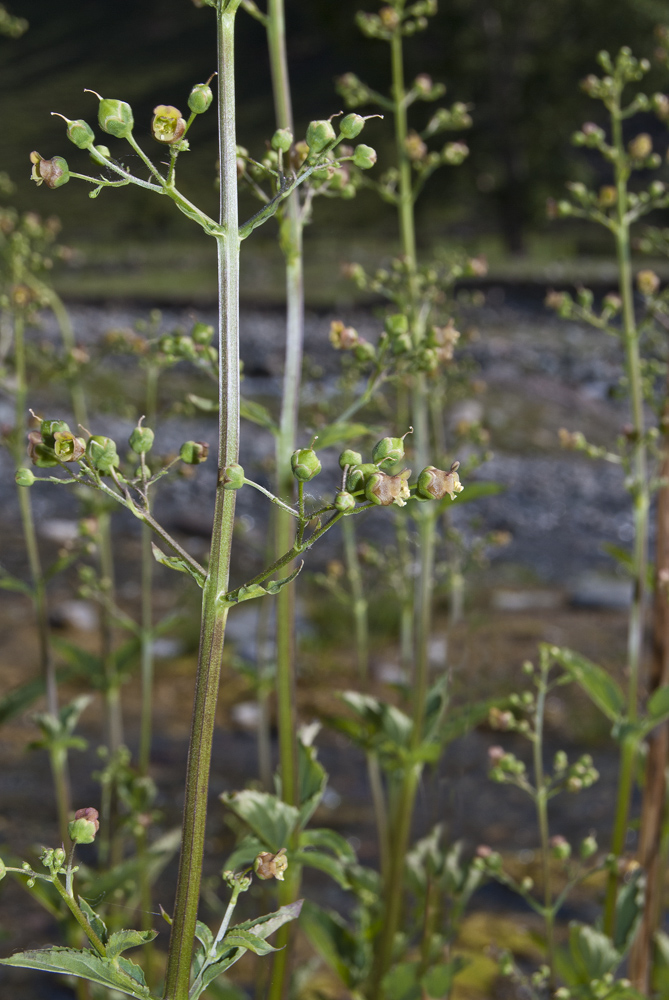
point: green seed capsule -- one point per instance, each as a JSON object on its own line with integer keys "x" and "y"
{"x": 351, "y": 126}
{"x": 397, "y": 324}
{"x": 48, "y": 428}
{"x": 141, "y": 440}
{"x": 194, "y": 452}
{"x": 358, "y": 475}
{"x": 24, "y": 477}
{"x": 364, "y": 156}
{"x": 54, "y": 172}
{"x": 388, "y": 451}
{"x": 344, "y": 501}
{"x": 282, "y": 139}
{"x": 99, "y": 151}
{"x": 80, "y": 133}
{"x": 115, "y": 118}
{"x": 200, "y": 98}
{"x": 202, "y": 333}
{"x": 349, "y": 457}
{"x": 319, "y": 135}
{"x": 305, "y": 464}
{"x": 101, "y": 453}
{"x": 232, "y": 477}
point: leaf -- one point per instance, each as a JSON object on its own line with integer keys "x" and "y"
{"x": 125, "y": 977}
{"x": 597, "y": 684}
{"x": 312, "y": 781}
{"x": 270, "y": 922}
{"x": 120, "y": 941}
{"x": 247, "y": 939}
{"x": 20, "y": 698}
{"x": 257, "y": 414}
{"x": 339, "y": 433}
{"x": 9, "y": 582}
{"x": 326, "y": 839}
{"x": 401, "y": 982}
{"x": 180, "y": 565}
{"x": 438, "y": 981}
{"x": 204, "y": 935}
{"x": 461, "y": 720}
{"x": 626, "y": 561}
{"x": 83, "y": 663}
{"x": 592, "y": 953}
{"x": 245, "y": 852}
{"x": 266, "y": 815}
{"x": 335, "y": 943}
{"x": 658, "y": 705}
{"x": 96, "y": 922}
{"x": 200, "y": 403}
{"x": 253, "y": 590}
{"x": 629, "y": 909}
{"x": 324, "y": 863}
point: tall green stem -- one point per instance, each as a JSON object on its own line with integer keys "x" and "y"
{"x": 214, "y": 615}
{"x": 641, "y": 503}
{"x": 146, "y": 633}
{"x": 541, "y": 801}
{"x": 291, "y": 246}
{"x": 360, "y": 604}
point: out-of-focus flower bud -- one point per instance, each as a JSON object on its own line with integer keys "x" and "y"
{"x": 202, "y": 333}
{"x": 141, "y": 440}
{"x": 24, "y": 477}
{"x": 588, "y": 847}
{"x": 342, "y": 338}
{"x": 647, "y": 282}
{"x": 434, "y": 484}
{"x": 67, "y": 447}
{"x": 364, "y": 156}
{"x": 608, "y": 196}
{"x": 54, "y": 172}
{"x": 344, "y": 501}
{"x": 351, "y": 126}
{"x": 167, "y": 126}
{"x": 200, "y": 98}
{"x": 101, "y": 453}
{"x": 454, "y": 153}
{"x": 349, "y": 457}
{"x": 282, "y": 139}
{"x": 415, "y": 148}
{"x": 364, "y": 351}
{"x": 268, "y": 865}
{"x": 500, "y": 719}
{"x": 194, "y": 452}
{"x": 641, "y": 146}
{"x": 232, "y": 477}
{"x": 320, "y": 134}
{"x": 396, "y": 324}
{"x": 423, "y": 84}
{"x": 384, "y": 490}
{"x": 84, "y": 826}
{"x": 390, "y": 19}
{"x": 389, "y": 450}
{"x": 115, "y": 117}
{"x": 560, "y": 847}
{"x": 305, "y": 464}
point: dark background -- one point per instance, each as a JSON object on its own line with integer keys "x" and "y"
{"x": 518, "y": 62}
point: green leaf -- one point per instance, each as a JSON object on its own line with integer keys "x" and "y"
{"x": 204, "y": 935}
{"x": 125, "y": 976}
{"x": 438, "y": 981}
{"x": 236, "y": 938}
{"x": 326, "y": 839}
{"x": 658, "y": 705}
{"x": 120, "y": 941}
{"x": 180, "y": 565}
{"x": 270, "y": 922}
{"x": 629, "y": 910}
{"x": 253, "y": 590}
{"x": 625, "y": 560}
{"x": 340, "y": 433}
{"x": 461, "y": 720}
{"x": 257, "y": 414}
{"x": 83, "y": 663}
{"x": 597, "y": 684}
{"x": 246, "y": 851}
{"x": 312, "y": 781}
{"x": 324, "y": 863}
{"x": 266, "y": 815}
{"x": 402, "y": 982}
{"x": 96, "y": 921}
{"x": 335, "y": 943}
{"x": 592, "y": 953}
{"x": 20, "y": 698}
{"x": 9, "y": 582}
{"x": 200, "y": 403}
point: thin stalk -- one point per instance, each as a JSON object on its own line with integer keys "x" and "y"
{"x": 380, "y": 809}
{"x": 641, "y": 504}
{"x": 146, "y": 634}
{"x": 112, "y": 683}
{"x": 291, "y": 244}
{"x": 360, "y": 604}
{"x": 214, "y": 613}
{"x": 541, "y": 802}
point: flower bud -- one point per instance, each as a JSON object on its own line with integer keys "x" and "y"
{"x": 588, "y": 847}
{"x": 349, "y": 457}
{"x": 54, "y": 172}
{"x": 200, "y": 98}
{"x": 342, "y": 338}
{"x": 141, "y": 440}
{"x": 560, "y": 847}
{"x": 388, "y": 451}
{"x": 384, "y": 490}
{"x": 434, "y": 484}
{"x": 364, "y": 157}
{"x": 396, "y": 325}
{"x": 84, "y": 826}
{"x": 268, "y": 865}
{"x": 351, "y": 126}
{"x": 344, "y": 501}
{"x": 194, "y": 452}
{"x": 364, "y": 351}
{"x": 641, "y": 146}
{"x": 608, "y": 196}
{"x": 319, "y": 135}
{"x": 67, "y": 447}
{"x": 80, "y": 133}
{"x": 305, "y": 464}
{"x": 202, "y": 333}
{"x": 414, "y": 146}
{"x": 359, "y": 474}
{"x": 527, "y": 884}
{"x": 232, "y": 477}
{"x": 99, "y": 151}
{"x": 167, "y": 126}
{"x": 24, "y": 477}
{"x": 101, "y": 453}
{"x": 115, "y": 117}
{"x": 282, "y": 140}
{"x": 647, "y": 282}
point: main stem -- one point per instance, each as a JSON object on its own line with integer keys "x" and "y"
{"x": 641, "y": 504}
{"x": 291, "y": 246}
{"x": 542, "y": 817}
{"x": 214, "y": 615}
